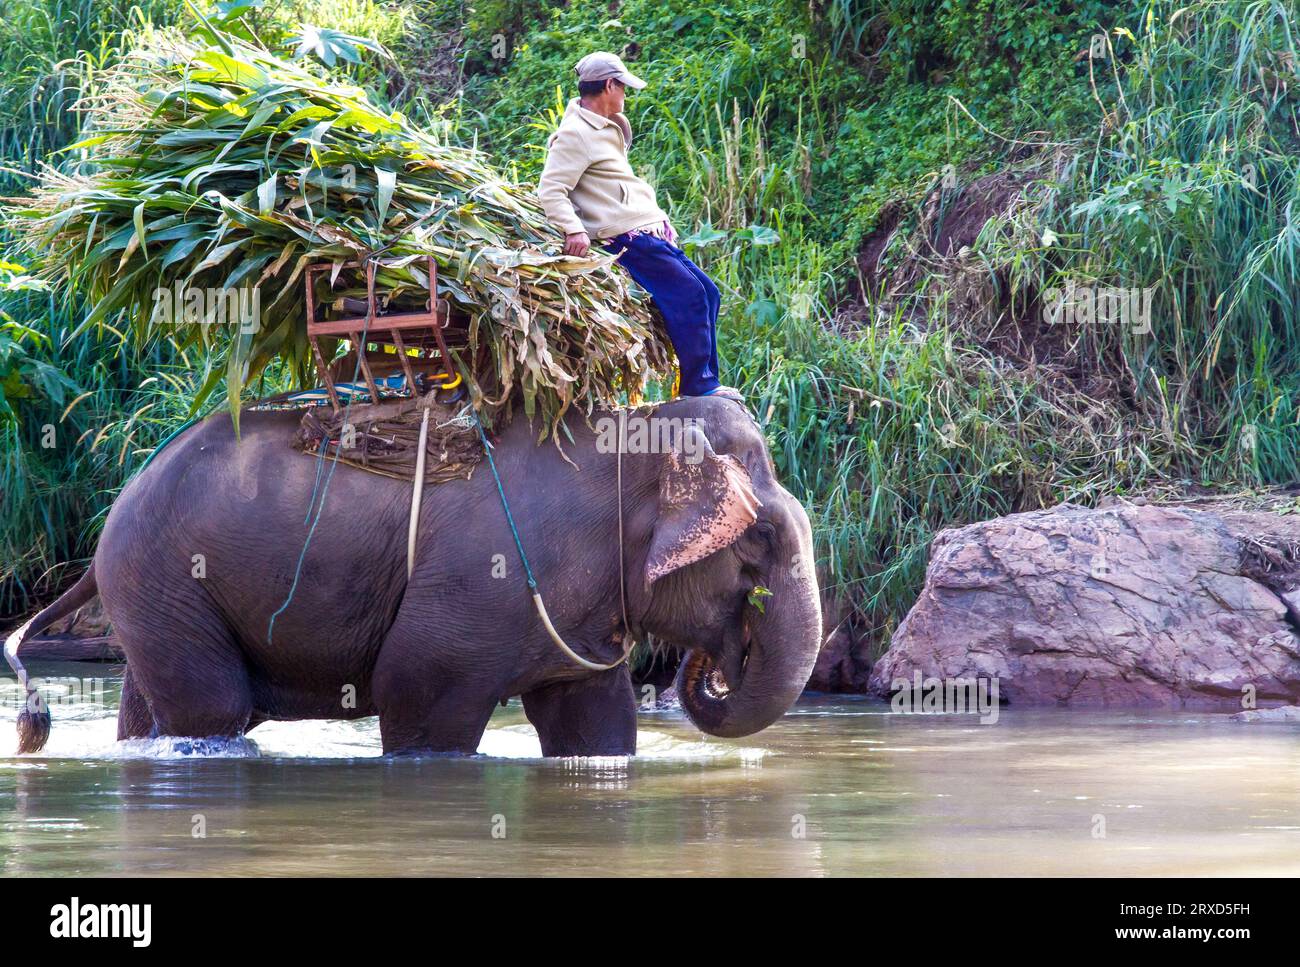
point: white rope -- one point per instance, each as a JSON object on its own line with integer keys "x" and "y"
{"x": 622, "y": 580}
{"x": 628, "y": 642}
{"x": 417, "y": 493}
{"x": 463, "y": 420}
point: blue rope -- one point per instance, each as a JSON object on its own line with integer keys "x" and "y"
{"x": 315, "y": 487}
{"x": 168, "y": 439}
{"x": 324, "y": 492}
{"x": 505, "y": 504}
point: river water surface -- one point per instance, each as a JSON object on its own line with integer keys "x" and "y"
{"x": 840, "y": 786}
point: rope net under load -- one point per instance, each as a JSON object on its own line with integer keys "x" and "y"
{"x": 384, "y": 438}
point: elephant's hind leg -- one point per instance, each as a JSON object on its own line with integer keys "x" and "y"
{"x": 594, "y": 716}
{"x": 134, "y": 719}
{"x": 189, "y": 668}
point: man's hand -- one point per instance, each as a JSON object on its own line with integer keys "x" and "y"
{"x": 577, "y": 244}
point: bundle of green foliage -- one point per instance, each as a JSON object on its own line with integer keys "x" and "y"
{"x": 213, "y": 165}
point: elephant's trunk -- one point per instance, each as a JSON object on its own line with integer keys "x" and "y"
{"x": 782, "y": 646}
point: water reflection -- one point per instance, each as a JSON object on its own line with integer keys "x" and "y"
{"x": 839, "y": 787}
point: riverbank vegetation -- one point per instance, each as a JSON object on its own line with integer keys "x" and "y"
{"x": 975, "y": 258}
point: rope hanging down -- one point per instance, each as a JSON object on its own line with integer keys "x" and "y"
{"x": 528, "y": 571}
{"x": 334, "y": 463}
{"x": 319, "y": 510}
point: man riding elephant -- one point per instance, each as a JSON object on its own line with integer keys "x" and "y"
{"x": 700, "y": 547}
{"x": 590, "y": 192}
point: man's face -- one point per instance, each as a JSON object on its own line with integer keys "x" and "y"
{"x": 617, "y": 93}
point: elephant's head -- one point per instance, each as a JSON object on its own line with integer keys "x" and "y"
{"x": 729, "y": 575}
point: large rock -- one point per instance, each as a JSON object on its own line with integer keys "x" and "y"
{"x": 844, "y": 662}
{"x": 1126, "y": 606}
{"x": 1283, "y": 713}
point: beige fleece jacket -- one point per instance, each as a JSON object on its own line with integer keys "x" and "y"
{"x": 587, "y": 184}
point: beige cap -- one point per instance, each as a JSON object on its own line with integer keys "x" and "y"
{"x": 602, "y": 65}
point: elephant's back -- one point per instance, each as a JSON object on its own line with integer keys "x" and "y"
{"x": 237, "y": 512}
{"x": 208, "y": 459}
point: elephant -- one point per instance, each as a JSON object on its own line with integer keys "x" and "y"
{"x": 200, "y": 551}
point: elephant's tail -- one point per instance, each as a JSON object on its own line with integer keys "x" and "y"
{"x": 34, "y": 720}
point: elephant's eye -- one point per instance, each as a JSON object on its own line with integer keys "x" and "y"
{"x": 758, "y": 544}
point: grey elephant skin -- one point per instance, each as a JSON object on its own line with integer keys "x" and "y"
{"x": 201, "y": 549}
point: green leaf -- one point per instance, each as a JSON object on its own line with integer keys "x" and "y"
{"x": 387, "y": 185}
{"x": 759, "y": 235}
{"x": 330, "y": 45}
{"x": 266, "y": 195}
{"x": 765, "y": 312}
{"x": 85, "y": 143}
{"x": 208, "y": 29}
{"x": 228, "y": 69}
{"x": 228, "y": 10}
{"x": 138, "y": 219}
{"x": 706, "y": 234}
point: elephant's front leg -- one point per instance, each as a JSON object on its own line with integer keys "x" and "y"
{"x": 594, "y": 716}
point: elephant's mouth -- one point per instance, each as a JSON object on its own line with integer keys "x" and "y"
{"x": 717, "y": 675}
{"x": 714, "y": 685}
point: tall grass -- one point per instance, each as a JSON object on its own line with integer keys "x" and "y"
{"x": 70, "y": 443}
{"x": 1193, "y": 191}
{"x": 102, "y": 402}
{"x": 62, "y": 449}
{"x": 1187, "y": 186}
{"x": 52, "y": 52}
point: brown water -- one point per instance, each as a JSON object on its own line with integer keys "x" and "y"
{"x": 840, "y": 786}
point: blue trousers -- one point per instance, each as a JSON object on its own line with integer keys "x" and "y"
{"x": 686, "y": 297}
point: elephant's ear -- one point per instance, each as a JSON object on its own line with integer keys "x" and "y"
{"x": 706, "y": 502}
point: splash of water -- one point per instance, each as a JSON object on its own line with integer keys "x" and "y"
{"x": 84, "y": 731}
